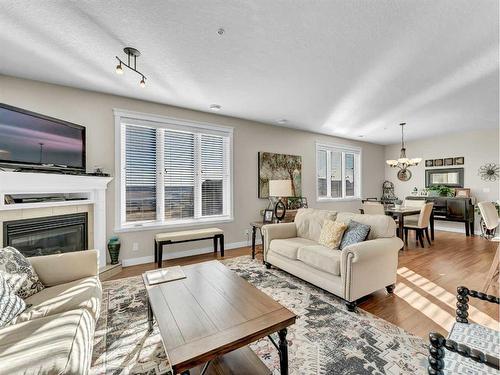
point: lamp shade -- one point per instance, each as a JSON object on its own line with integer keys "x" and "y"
{"x": 280, "y": 188}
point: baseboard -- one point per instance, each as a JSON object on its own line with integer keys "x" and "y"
{"x": 182, "y": 254}
{"x": 455, "y": 230}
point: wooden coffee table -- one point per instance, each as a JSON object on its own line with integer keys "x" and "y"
{"x": 211, "y": 316}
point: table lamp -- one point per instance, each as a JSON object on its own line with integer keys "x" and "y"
{"x": 280, "y": 189}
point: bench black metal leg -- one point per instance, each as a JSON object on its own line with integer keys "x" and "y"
{"x": 159, "y": 252}
{"x": 467, "y": 229}
{"x": 221, "y": 237}
{"x": 283, "y": 350}
{"x": 156, "y": 251}
{"x": 215, "y": 244}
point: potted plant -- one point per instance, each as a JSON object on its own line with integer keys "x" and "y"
{"x": 440, "y": 191}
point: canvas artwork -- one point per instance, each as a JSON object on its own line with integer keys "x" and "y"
{"x": 279, "y": 167}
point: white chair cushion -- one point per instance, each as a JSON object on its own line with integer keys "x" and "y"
{"x": 309, "y": 222}
{"x": 288, "y": 247}
{"x": 321, "y": 258}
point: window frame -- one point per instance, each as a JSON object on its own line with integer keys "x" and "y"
{"x": 165, "y": 122}
{"x": 335, "y": 147}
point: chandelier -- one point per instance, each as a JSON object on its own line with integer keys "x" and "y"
{"x": 403, "y": 163}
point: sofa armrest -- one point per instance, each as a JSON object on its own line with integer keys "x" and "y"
{"x": 66, "y": 267}
{"x": 276, "y": 231}
{"x": 369, "y": 266}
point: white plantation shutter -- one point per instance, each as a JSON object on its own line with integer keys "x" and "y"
{"x": 213, "y": 174}
{"x": 179, "y": 154}
{"x": 174, "y": 174}
{"x": 140, "y": 173}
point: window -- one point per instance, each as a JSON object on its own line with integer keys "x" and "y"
{"x": 172, "y": 172}
{"x": 338, "y": 172}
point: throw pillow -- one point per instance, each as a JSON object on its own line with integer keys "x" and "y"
{"x": 331, "y": 233}
{"x": 19, "y": 273}
{"x": 355, "y": 232}
{"x": 11, "y": 305}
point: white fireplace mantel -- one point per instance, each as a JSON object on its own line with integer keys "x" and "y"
{"x": 88, "y": 190}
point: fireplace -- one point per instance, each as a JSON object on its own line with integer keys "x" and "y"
{"x": 47, "y": 235}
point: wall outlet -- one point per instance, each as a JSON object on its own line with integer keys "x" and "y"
{"x": 135, "y": 246}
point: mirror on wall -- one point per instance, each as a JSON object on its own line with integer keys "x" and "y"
{"x": 451, "y": 177}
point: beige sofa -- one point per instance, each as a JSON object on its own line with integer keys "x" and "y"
{"x": 351, "y": 273}
{"x": 55, "y": 334}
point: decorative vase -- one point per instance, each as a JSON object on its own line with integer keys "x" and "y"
{"x": 114, "y": 249}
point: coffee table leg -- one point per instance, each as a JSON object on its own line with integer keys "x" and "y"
{"x": 283, "y": 348}
{"x": 150, "y": 317}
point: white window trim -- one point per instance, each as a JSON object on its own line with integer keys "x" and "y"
{"x": 344, "y": 148}
{"x": 161, "y": 122}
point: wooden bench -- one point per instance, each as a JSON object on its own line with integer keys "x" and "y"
{"x": 187, "y": 236}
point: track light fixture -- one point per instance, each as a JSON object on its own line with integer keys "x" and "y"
{"x": 131, "y": 53}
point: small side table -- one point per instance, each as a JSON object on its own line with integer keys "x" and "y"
{"x": 255, "y": 225}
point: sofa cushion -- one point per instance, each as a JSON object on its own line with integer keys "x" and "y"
{"x": 11, "y": 305}
{"x": 381, "y": 226}
{"x": 331, "y": 234}
{"x": 84, "y": 293}
{"x": 59, "y": 344}
{"x": 355, "y": 232}
{"x": 309, "y": 222}
{"x": 288, "y": 247}
{"x": 321, "y": 258}
{"x": 19, "y": 273}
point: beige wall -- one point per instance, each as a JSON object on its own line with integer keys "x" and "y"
{"x": 94, "y": 110}
{"x": 478, "y": 147}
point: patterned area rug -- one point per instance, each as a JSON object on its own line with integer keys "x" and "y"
{"x": 326, "y": 339}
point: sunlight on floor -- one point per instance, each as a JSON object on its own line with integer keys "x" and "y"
{"x": 425, "y": 306}
{"x": 442, "y": 295}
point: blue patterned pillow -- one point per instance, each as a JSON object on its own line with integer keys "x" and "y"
{"x": 355, "y": 232}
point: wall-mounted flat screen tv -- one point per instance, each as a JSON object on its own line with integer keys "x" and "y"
{"x": 29, "y": 139}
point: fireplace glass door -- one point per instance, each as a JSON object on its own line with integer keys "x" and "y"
{"x": 47, "y": 235}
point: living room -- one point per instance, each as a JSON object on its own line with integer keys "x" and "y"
{"x": 159, "y": 162}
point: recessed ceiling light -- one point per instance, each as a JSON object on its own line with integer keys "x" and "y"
{"x": 282, "y": 121}
{"x": 221, "y": 31}
{"x": 215, "y": 107}
{"x": 360, "y": 136}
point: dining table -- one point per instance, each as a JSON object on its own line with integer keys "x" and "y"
{"x": 400, "y": 214}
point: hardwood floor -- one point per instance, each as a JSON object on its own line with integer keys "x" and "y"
{"x": 424, "y": 298}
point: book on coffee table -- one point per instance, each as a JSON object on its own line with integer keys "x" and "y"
{"x": 165, "y": 275}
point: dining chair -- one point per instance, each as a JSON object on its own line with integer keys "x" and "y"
{"x": 490, "y": 219}
{"x": 420, "y": 226}
{"x": 373, "y": 208}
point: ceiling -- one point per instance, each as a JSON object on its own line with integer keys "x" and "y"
{"x": 349, "y": 68}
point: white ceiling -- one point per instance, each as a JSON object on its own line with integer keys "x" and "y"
{"x": 343, "y": 67}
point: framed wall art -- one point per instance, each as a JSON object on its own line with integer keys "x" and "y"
{"x": 279, "y": 167}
